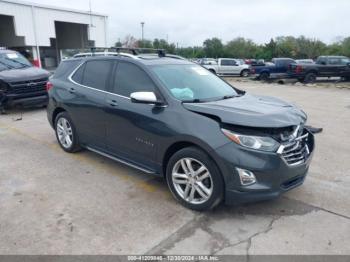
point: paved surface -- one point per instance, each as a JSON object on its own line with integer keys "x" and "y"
{"x": 52, "y": 202}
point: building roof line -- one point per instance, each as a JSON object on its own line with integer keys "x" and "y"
{"x": 20, "y": 2}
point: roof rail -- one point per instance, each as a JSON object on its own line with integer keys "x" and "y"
{"x": 137, "y": 51}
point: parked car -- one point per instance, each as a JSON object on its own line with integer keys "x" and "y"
{"x": 20, "y": 82}
{"x": 275, "y": 70}
{"x": 305, "y": 61}
{"x": 325, "y": 66}
{"x": 228, "y": 66}
{"x": 175, "y": 119}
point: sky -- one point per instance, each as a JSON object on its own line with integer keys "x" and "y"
{"x": 190, "y": 22}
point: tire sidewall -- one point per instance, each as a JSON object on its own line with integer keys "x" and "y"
{"x": 245, "y": 73}
{"x": 264, "y": 76}
{"x": 218, "y": 184}
{"x": 310, "y": 78}
{"x": 75, "y": 144}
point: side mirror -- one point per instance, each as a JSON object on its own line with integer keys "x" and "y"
{"x": 144, "y": 98}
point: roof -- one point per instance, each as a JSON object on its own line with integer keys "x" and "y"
{"x": 20, "y": 2}
{"x": 149, "y": 59}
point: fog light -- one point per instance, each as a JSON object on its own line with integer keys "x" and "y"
{"x": 247, "y": 177}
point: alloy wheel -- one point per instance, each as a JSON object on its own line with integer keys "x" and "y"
{"x": 192, "y": 181}
{"x": 64, "y": 132}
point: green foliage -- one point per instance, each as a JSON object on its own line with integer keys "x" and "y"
{"x": 282, "y": 46}
{"x": 213, "y": 47}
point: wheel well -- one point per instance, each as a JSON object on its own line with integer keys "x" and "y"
{"x": 244, "y": 70}
{"x": 173, "y": 149}
{"x": 55, "y": 113}
{"x": 212, "y": 70}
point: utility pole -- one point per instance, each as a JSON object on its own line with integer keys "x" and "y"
{"x": 142, "y": 26}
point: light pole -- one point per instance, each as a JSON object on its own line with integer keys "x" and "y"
{"x": 142, "y": 25}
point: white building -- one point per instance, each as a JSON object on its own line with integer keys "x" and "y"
{"x": 46, "y": 30}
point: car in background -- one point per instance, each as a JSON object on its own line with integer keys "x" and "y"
{"x": 20, "y": 82}
{"x": 172, "y": 118}
{"x": 228, "y": 67}
{"x": 305, "y": 61}
{"x": 325, "y": 66}
{"x": 277, "y": 69}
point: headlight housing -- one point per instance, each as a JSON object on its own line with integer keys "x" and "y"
{"x": 263, "y": 143}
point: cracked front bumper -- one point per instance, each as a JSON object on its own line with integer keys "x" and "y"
{"x": 274, "y": 176}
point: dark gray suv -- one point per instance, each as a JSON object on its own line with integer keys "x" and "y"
{"x": 173, "y": 118}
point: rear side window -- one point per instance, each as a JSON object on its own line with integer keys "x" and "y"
{"x": 65, "y": 68}
{"x": 334, "y": 61}
{"x": 96, "y": 73}
{"x": 130, "y": 78}
{"x": 78, "y": 75}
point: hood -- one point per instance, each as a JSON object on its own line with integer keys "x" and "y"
{"x": 252, "y": 111}
{"x": 23, "y": 74}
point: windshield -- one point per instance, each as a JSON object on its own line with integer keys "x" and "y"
{"x": 13, "y": 60}
{"x": 193, "y": 82}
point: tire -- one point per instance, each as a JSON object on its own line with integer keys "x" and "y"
{"x": 202, "y": 191}
{"x": 310, "y": 78}
{"x": 245, "y": 73}
{"x": 64, "y": 129}
{"x": 264, "y": 76}
{"x": 213, "y": 71}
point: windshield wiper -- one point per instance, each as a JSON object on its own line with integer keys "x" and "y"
{"x": 196, "y": 100}
{"x": 18, "y": 62}
{"x": 228, "y": 96}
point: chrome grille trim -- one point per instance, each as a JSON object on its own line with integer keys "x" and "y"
{"x": 297, "y": 151}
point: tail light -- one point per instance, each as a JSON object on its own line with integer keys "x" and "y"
{"x": 49, "y": 85}
{"x": 252, "y": 70}
{"x": 298, "y": 69}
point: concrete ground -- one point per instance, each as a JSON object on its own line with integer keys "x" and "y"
{"x": 52, "y": 202}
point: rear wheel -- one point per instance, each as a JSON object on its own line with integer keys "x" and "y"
{"x": 310, "y": 78}
{"x": 264, "y": 76}
{"x": 194, "y": 179}
{"x": 66, "y": 133}
{"x": 245, "y": 73}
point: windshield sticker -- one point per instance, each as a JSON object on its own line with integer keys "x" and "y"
{"x": 12, "y": 55}
{"x": 200, "y": 71}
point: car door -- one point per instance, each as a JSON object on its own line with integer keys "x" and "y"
{"x": 86, "y": 108}
{"x": 132, "y": 128}
{"x": 227, "y": 66}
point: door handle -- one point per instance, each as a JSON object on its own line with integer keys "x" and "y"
{"x": 72, "y": 90}
{"x": 112, "y": 102}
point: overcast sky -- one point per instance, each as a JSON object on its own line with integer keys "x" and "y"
{"x": 190, "y": 22}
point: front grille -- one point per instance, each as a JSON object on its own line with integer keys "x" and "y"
{"x": 298, "y": 150}
{"x": 28, "y": 87}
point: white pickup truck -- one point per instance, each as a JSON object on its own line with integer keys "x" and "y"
{"x": 227, "y": 66}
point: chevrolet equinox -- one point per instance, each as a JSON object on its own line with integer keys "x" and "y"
{"x": 169, "y": 117}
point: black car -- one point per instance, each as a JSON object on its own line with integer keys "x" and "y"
{"x": 173, "y": 118}
{"x": 20, "y": 82}
{"x": 325, "y": 66}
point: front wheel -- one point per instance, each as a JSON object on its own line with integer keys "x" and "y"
{"x": 194, "y": 179}
{"x": 65, "y": 133}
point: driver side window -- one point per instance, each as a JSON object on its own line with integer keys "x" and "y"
{"x": 129, "y": 78}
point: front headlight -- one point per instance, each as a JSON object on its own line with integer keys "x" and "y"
{"x": 263, "y": 143}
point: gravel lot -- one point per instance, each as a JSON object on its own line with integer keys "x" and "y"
{"x": 52, "y": 202}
